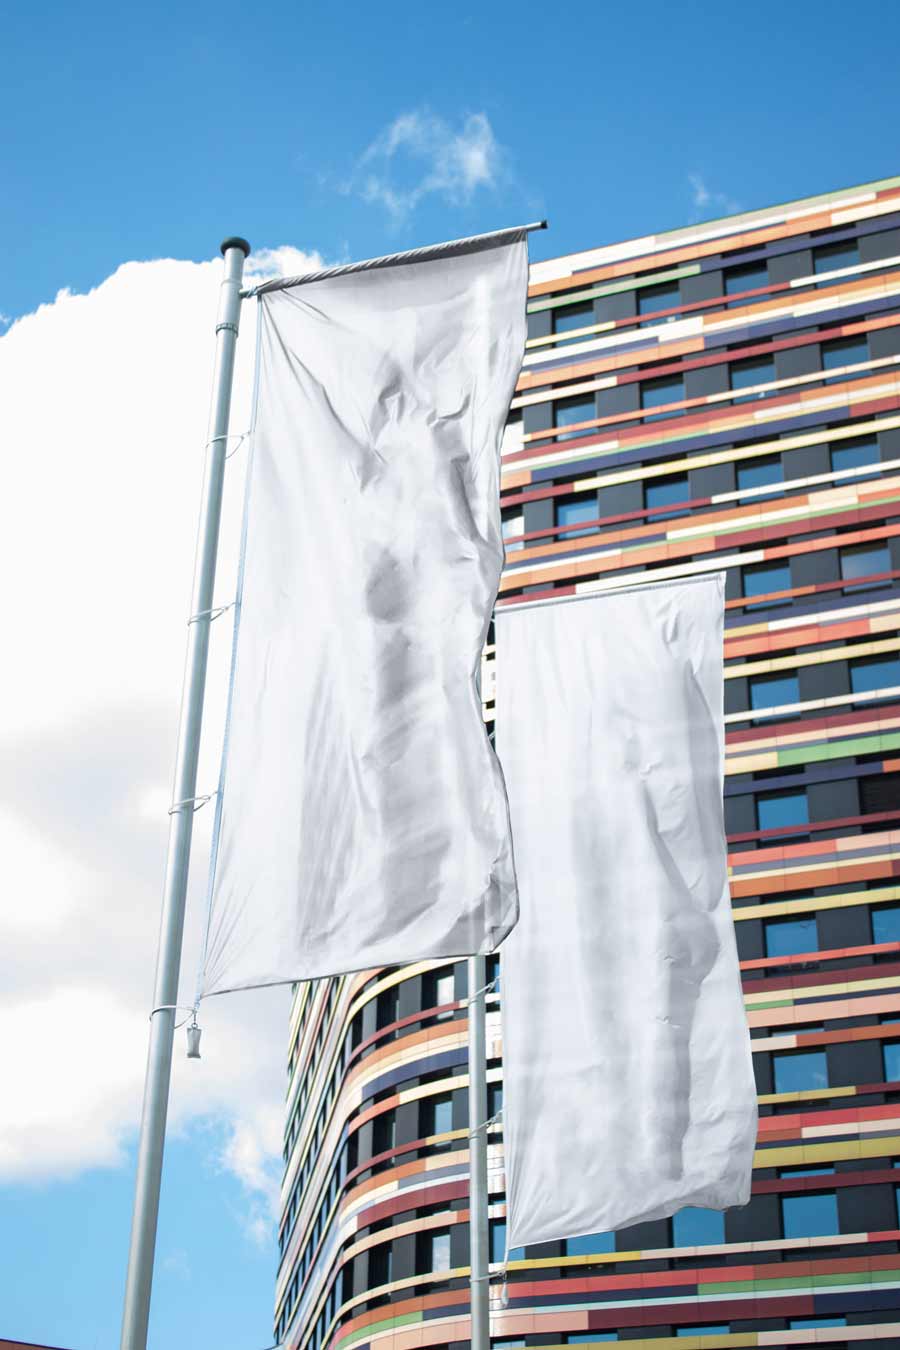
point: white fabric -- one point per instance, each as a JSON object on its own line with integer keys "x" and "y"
{"x": 364, "y": 820}
{"x": 628, "y": 1083}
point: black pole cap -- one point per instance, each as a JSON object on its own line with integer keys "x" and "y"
{"x": 235, "y": 241}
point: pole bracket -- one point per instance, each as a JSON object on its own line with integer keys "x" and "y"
{"x": 195, "y": 802}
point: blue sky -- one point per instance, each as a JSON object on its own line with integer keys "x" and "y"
{"x": 141, "y": 133}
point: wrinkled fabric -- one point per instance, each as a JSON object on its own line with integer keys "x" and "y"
{"x": 364, "y": 818}
{"x": 628, "y": 1082}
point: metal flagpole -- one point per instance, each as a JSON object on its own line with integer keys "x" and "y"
{"x": 136, "y": 1312}
{"x": 479, "y": 1228}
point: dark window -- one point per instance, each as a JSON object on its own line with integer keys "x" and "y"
{"x": 573, "y": 513}
{"x": 747, "y": 277}
{"x": 832, "y": 257}
{"x": 659, "y": 392}
{"x": 568, "y": 411}
{"x": 777, "y": 810}
{"x": 698, "y": 1227}
{"x": 757, "y": 473}
{"x": 800, "y": 1070}
{"x": 886, "y": 923}
{"x": 383, "y": 1132}
{"x": 651, "y": 299}
{"x": 766, "y": 578}
{"x": 879, "y": 793}
{"x": 492, "y": 973}
{"x": 751, "y": 372}
{"x": 590, "y": 1243}
{"x": 850, "y": 351}
{"x": 874, "y": 672}
{"x": 590, "y": 1336}
{"x": 773, "y": 691}
{"x": 865, "y": 560}
{"x": 855, "y": 453}
{"x": 890, "y": 1051}
{"x": 386, "y": 1007}
{"x": 380, "y": 1263}
{"x": 811, "y": 1215}
{"x": 788, "y": 937}
{"x": 667, "y": 491}
{"x": 494, "y": 1099}
{"x": 570, "y": 318}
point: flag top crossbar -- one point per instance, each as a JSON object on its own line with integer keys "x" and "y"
{"x": 428, "y": 253}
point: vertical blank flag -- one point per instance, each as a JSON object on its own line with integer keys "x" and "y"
{"x": 364, "y": 820}
{"x": 628, "y": 1082}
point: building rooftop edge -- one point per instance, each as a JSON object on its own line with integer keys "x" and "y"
{"x": 566, "y": 264}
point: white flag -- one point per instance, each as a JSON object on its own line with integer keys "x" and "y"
{"x": 364, "y": 819}
{"x": 628, "y": 1083}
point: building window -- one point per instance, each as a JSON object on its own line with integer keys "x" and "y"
{"x": 773, "y": 691}
{"x": 811, "y": 1215}
{"x": 854, "y": 454}
{"x": 748, "y": 277}
{"x": 890, "y": 1053}
{"x": 757, "y": 473}
{"x": 698, "y": 1227}
{"x": 766, "y": 578}
{"x": 832, "y": 257}
{"x": 850, "y": 351}
{"x": 494, "y": 1099}
{"x": 872, "y": 673}
{"x": 590, "y": 1243}
{"x": 570, "y": 411}
{"x": 383, "y": 1132}
{"x": 590, "y": 1336}
{"x": 512, "y": 528}
{"x": 386, "y": 1008}
{"x": 438, "y": 990}
{"x": 573, "y": 513}
{"x": 780, "y": 810}
{"x": 705, "y": 1329}
{"x": 800, "y": 1070}
{"x": 802, "y": 1323}
{"x": 886, "y": 923}
{"x": 432, "y": 1252}
{"x": 651, "y": 299}
{"x": 570, "y": 319}
{"x": 437, "y": 1115}
{"x": 751, "y": 372}
{"x": 498, "y": 1243}
{"x": 865, "y": 560}
{"x": 667, "y": 491}
{"x": 657, "y": 393}
{"x": 380, "y": 1264}
{"x": 791, "y": 937}
{"x": 492, "y": 974}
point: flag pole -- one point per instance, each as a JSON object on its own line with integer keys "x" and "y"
{"x": 136, "y": 1312}
{"x": 479, "y": 1226}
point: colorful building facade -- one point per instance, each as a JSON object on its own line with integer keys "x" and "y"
{"x": 721, "y": 397}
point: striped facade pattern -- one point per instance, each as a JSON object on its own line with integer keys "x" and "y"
{"x": 629, "y": 452}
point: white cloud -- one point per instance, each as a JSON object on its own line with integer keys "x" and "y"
{"x": 104, "y": 403}
{"x": 707, "y": 202}
{"x": 420, "y": 154}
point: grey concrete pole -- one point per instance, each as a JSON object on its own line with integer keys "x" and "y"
{"x": 479, "y": 1227}
{"x": 136, "y": 1312}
